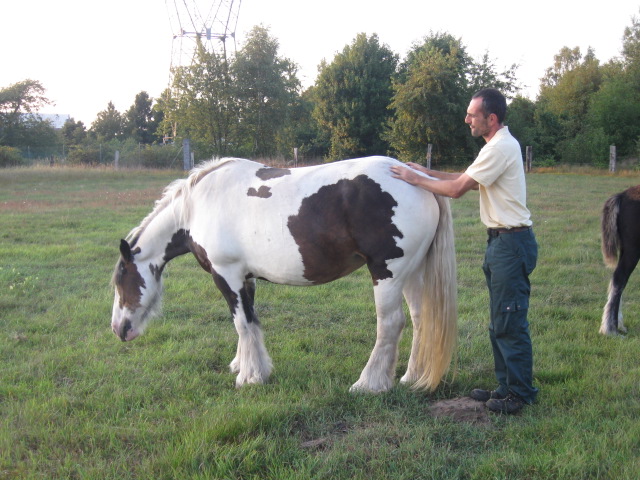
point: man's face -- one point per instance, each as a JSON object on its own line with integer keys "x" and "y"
{"x": 476, "y": 119}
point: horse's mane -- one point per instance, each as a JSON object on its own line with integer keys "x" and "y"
{"x": 180, "y": 188}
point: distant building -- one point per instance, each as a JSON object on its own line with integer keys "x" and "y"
{"x": 57, "y": 119}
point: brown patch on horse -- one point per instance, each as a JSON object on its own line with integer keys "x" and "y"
{"x": 267, "y": 173}
{"x": 229, "y": 295}
{"x": 262, "y": 192}
{"x": 129, "y": 283}
{"x": 246, "y": 293}
{"x": 201, "y": 255}
{"x": 343, "y": 226}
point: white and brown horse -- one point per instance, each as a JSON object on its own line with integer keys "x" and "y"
{"x": 304, "y": 226}
{"x": 620, "y": 233}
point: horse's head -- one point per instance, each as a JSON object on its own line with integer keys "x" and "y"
{"x": 138, "y": 287}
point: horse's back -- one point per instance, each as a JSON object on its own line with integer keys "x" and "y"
{"x": 313, "y": 224}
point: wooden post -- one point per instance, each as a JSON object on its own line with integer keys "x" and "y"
{"x": 612, "y": 158}
{"x": 116, "y": 160}
{"x": 528, "y": 158}
{"x": 295, "y": 156}
{"x": 429, "y": 147}
{"x": 186, "y": 154}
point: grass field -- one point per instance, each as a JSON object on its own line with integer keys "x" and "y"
{"x": 77, "y": 403}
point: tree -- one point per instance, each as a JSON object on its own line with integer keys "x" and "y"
{"x": 483, "y": 73}
{"x": 312, "y": 141}
{"x": 19, "y": 104}
{"x": 108, "y": 124}
{"x": 139, "y": 122}
{"x": 567, "y": 88}
{"x": 352, "y": 95}
{"x": 521, "y": 121}
{"x": 203, "y": 105}
{"x": 267, "y": 90}
{"x": 631, "y": 50}
{"x": 615, "y": 109}
{"x": 431, "y": 95}
{"x": 73, "y": 132}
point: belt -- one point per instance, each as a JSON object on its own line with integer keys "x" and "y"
{"x": 494, "y": 232}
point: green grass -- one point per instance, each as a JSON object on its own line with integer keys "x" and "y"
{"x": 77, "y": 403}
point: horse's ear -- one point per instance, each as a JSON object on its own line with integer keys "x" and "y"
{"x": 125, "y": 251}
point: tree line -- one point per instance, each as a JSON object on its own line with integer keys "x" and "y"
{"x": 366, "y": 101}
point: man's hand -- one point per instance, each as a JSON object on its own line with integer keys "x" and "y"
{"x": 407, "y": 174}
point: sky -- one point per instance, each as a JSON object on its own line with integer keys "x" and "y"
{"x": 87, "y": 53}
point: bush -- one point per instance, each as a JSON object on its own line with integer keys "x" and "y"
{"x": 161, "y": 156}
{"x": 589, "y": 147}
{"x": 11, "y": 157}
{"x": 83, "y": 155}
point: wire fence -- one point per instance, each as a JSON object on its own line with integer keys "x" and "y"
{"x": 130, "y": 155}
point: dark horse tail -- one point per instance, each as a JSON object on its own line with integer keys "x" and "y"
{"x": 609, "y": 227}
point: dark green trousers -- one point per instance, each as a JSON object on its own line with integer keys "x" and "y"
{"x": 509, "y": 260}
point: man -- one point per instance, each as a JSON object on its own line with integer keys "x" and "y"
{"x": 512, "y": 251}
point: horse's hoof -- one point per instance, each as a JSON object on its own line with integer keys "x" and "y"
{"x": 360, "y": 388}
{"x": 234, "y": 366}
{"x": 255, "y": 379}
{"x": 408, "y": 379}
{"x": 613, "y": 333}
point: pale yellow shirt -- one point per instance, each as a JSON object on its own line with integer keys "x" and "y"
{"x": 503, "y": 191}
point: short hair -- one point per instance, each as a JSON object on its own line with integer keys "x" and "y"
{"x": 492, "y": 102}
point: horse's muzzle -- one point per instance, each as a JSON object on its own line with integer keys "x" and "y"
{"x": 124, "y": 331}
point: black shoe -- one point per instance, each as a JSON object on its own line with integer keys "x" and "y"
{"x": 484, "y": 395}
{"x": 510, "y": 404}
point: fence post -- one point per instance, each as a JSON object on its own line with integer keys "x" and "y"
{"x": 429, "y": 147}
{"x": 116, "y": 160}
{"x": 295, "y": 156}
{"x": 528, "y": 158}
{"x": 186, "y": 154}
{"x": 612, "y": 158}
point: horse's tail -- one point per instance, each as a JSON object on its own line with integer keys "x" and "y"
{"x": 609, "y": 228}
{"x": 438, "y": 324}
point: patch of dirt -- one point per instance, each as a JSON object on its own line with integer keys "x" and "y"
{"x": 462, "y": 409}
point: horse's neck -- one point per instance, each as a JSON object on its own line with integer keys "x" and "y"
{"x": 164, "y": 237}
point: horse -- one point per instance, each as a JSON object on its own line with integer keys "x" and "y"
{"x": 620, "y": 233}
{"x": 303, "y": 226}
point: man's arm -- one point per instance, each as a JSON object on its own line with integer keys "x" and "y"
{"x": 434, "y": 173}
{"x": 452, "y": 185}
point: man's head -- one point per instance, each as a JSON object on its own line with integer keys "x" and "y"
{"x": 486, "y": 113}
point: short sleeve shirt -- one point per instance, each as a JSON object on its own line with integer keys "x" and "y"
{"x": 499, "y": 171}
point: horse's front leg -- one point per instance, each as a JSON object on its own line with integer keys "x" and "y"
{"x": 379, "y": 373}
{"x": 252, "y": 363}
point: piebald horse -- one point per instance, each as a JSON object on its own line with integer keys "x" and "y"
{"x": 244, "y": 221}
{"x": 620, "y": 233}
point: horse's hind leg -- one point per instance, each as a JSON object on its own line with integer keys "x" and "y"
{"x": 612, "y": 315}
{"x": 379, "y": 373}
{"x": 413, "y": 295}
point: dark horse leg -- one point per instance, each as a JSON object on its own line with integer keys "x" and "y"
{"x": 612, "y": 323}
{"x": 628, "y": 230}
